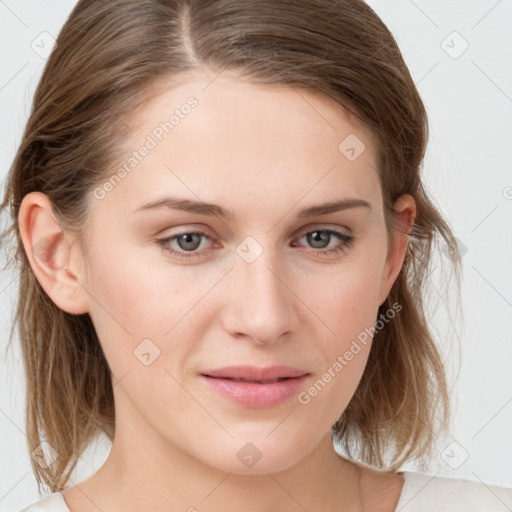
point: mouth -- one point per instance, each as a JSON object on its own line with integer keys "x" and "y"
{"x": 255, "y": 387}
{"x": 248, "y": 373}
{"x": 268, "y": 381}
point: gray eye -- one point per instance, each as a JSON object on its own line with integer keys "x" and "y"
{"x": 189, "y": 241}
{"x": 319, "y": 237}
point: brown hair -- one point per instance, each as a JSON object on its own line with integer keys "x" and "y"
{"x": 109, "y": 59}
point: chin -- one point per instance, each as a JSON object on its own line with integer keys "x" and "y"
{"x": 257, "y": 457}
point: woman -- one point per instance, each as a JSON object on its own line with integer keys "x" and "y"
{"x": 224, "y": 237}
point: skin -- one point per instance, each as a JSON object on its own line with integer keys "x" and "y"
{"x": 263, "y": 153}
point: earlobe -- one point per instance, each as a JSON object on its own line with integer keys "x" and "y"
{"x": 52, "y": 253}
{"x": 405, "y": 211}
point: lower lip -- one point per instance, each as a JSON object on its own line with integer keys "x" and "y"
{"x": 254, "y": 394}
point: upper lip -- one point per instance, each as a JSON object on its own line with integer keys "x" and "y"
{"x": 255, "y": 373}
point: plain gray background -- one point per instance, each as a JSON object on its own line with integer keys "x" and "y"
{"x": 459, "y": 54}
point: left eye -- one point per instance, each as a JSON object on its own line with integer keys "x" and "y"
{"x": 191, "y": 240}
{"x": 319, "y": 236}
{"x": 187, "y": 241}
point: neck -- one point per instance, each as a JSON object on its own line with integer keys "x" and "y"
{"x": 154, "y": 479}
{"x": 143, "y": 478}
{"x": 154, "y": 474}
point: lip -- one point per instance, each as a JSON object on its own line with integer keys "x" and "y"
{"x": 254, "y": 373}
{"x": 248, "y": 391}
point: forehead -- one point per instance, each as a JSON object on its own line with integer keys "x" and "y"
{"x": 237, "y": 143}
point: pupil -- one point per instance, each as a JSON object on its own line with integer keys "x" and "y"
{"x": 318, "y": 236}
{"x": 188, "y": 238}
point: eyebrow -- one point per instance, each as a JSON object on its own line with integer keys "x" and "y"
{"x": 202, "y": 208}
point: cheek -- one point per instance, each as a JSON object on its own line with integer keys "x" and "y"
{"x": 347, "y": 299}
{"x": 122, "y": 305}
{"x": 135, "y": 297}
{"x": 348, "y": 305}
{"x": 351, "y": 313}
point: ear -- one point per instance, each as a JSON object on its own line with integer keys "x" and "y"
{"x": 405, "y": 213}
{"x": 54, "y": 254}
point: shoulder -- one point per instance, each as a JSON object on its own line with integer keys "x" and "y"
{"x": 52, "y": 503}
{"x": 422, "y": 493}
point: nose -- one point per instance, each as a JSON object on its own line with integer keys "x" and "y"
{"x": 259, "y": 301}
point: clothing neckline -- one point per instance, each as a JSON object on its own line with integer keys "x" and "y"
{"x": 403, "y": 494}
{"x": 405, "y": 490}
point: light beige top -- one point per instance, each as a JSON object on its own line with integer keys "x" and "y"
{"x": 420, "y": 493}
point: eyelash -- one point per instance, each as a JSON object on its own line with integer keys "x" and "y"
{"x": 347, "y": 241}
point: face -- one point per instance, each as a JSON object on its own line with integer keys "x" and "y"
{"x": 175, "y": 294}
